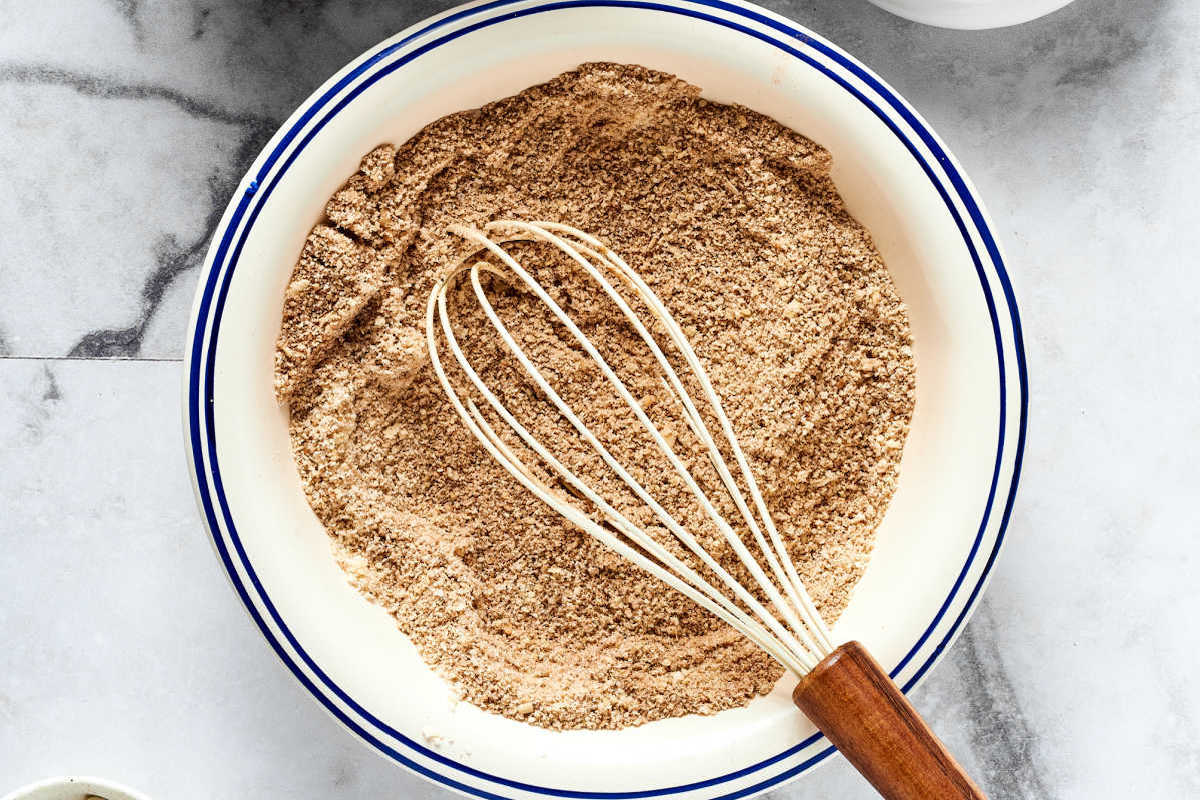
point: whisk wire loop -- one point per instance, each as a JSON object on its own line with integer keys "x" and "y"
{"x": 805, "y": 639}
{"x": 691, "y": 584}
{"x": 679, "y": 531}
{"x": 779, "y": 561}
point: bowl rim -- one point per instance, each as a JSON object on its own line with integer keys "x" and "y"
{"x": 263, "y": 176}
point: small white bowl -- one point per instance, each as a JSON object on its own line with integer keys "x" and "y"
{"x": 959, "y": 472}
{"x": 74, "y": 789}
{"x": 971, "y": 14}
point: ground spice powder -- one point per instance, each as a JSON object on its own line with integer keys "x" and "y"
{"x": 733, "y": 220}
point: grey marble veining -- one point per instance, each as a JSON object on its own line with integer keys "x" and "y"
{"x": 125, "y": 125}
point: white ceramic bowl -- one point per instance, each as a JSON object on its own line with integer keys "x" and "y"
{"x": 76, "y": 788}
{"x": 959, "y": 471}
{"x": 971, "y": 14}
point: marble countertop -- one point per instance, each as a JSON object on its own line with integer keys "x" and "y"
{"x": 124, "y": 127}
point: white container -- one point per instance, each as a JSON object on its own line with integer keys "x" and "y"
{"x": 971, "y": 14}
{"x": 74, "y": 789}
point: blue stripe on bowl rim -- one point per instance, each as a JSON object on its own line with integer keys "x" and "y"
{"x": 222, "y": 261}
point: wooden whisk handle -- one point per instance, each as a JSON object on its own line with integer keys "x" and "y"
{"x": 870, "y": 721}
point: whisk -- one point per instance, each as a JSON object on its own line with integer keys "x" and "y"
{"x": 842, "y": 689}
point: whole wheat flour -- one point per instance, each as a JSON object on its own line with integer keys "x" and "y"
{"x": 734, "y": 221}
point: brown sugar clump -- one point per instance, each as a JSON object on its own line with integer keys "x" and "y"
{"x": 735, "y": 223}
{"x": 334, "y": 278}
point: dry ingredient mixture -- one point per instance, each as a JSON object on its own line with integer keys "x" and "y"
{"x": 735, "y": 223}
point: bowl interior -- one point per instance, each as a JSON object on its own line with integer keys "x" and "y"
{"x": 923, "y": 544}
